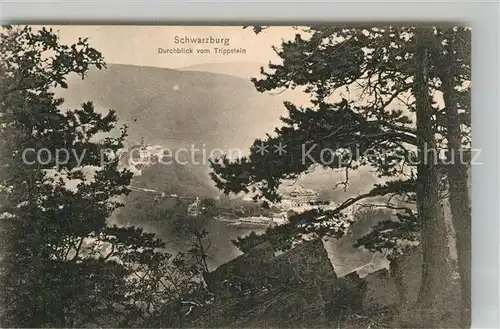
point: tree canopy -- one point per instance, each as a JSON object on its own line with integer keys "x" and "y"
{"x": 395, "y": 119}
{"x": 64, "y": 264}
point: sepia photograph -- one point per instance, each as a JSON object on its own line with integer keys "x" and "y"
{"x": 235, "y": 176}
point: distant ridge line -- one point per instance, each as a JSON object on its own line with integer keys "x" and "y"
{"x": 177, "y": 70}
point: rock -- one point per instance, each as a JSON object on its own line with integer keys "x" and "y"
{"x": 239, "y": 271}
{"x": 298, "y": 288}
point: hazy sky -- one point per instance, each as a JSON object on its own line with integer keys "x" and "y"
{"x": 138, "y": 45}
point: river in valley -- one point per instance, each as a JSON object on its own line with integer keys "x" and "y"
{"x": 220, "y": 233}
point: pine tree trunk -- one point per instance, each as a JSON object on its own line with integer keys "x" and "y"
{"x": 461, "y": 213}
{"x": 459, "y": 191}
{"x": 434, "y": 239}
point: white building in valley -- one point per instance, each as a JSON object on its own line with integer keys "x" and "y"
{"x": 140, "y": 156}
{"x": 298, "y": 198}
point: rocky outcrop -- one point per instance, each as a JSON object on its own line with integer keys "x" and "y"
{"x": 260, "y": 267}
{"x": 243, "y": 271}
{"x": 294, "y": 288}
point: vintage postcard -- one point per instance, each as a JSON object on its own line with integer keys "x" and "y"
{"x": 236, "y": 176}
